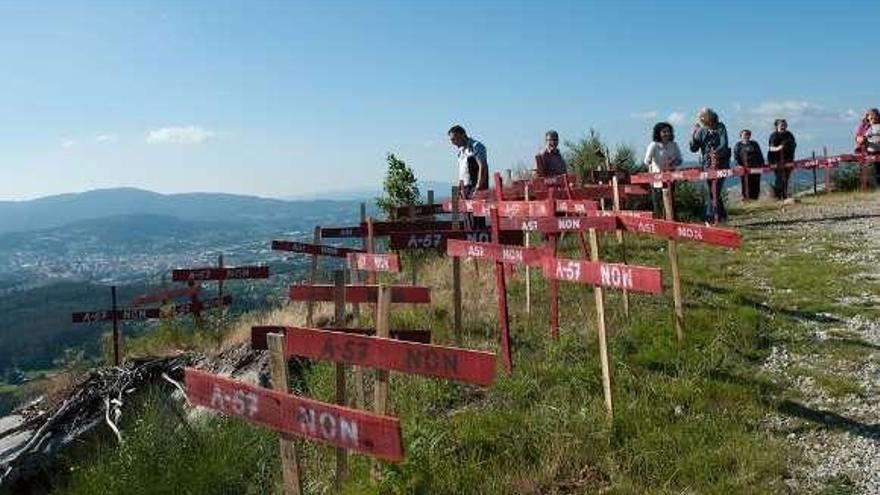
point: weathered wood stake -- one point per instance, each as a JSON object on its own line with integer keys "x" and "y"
{"x": 672, "y": 247}
{"x": 290, "y": 465}
{"x": 599, "y": 292}
{"x": 620, "y": 240}
{"x": 339, "y": 322}
{"x": 313, "y": 277}
{"x": 456, "y": 271}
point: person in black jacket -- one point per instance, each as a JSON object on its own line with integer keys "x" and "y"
{"x": 748, "y": 154}
{"x": 780, "y": 152}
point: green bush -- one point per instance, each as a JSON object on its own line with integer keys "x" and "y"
{"x": 847, "y": 177}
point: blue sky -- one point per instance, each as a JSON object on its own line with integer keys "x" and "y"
{"x": 285, "y": 98}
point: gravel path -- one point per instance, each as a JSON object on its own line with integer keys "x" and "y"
{"x": 836, "y": 431}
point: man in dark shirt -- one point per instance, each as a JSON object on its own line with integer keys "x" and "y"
{"x": 780, "y": 152}
{"x": 748, "y": 154}
{"x": 549, "y": 161}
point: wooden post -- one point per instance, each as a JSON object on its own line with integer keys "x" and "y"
{"x": 600, "y": 320}
{"x": 501, "y": 284}
{"x": 194, "y": 299}
{"x": 115, "y": 317}
{"x": 220, "y": 282}
{"x": 356, "y": 308}
{"x": 713, "y": 165}
{"x": 382, "y": 330}
{"x": 620, "y": 239}
{"x": 380, "y": 392}
{"x": 456, "y": 272}
{"x": 290, "y": 467}
{"x": 553, "y": 287}
{"x": 815, "y": 177}
{"x": 341, "y": 454}
{"x": 528, "y": 271}
{"x": 827, "y": 171}
{"x": 360, "y": 394}
{"x": 313, "y": 278}
{"x": 672, "y": 247}
{"x": 552, "y": 242}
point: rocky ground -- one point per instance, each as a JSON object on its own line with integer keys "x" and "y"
{"x": 831, "y": 368}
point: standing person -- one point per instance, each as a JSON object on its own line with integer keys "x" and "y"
{"x": 473, "y": 166}
{"x": 709, "y": 137}
{"x": 861, "y": 130}
{"x": 549, "y": 161}
{"x": 748, "y": 154}
{"x": 872, "y": 139}
{"x": 662, "y": 155}
{"x": 780, "y": 152}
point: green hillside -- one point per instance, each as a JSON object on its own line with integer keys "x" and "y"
{"x": 715, "y": 413}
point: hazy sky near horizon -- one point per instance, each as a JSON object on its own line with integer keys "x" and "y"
{"x": 280, "y": 98}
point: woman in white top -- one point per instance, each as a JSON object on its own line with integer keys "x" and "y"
{"x": 662, "y": 155}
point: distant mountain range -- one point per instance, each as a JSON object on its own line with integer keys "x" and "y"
{"x": 441, "y": 190}
{"x": 60, "y": 210}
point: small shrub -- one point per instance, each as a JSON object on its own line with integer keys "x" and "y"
{"x": 847, "y": 177}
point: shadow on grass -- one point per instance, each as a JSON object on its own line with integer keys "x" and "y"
{"x": 853, "y": 342}
{"x": 829, "y": 419}
{"x": 795, "y": 221}
{"x": 766, "y": 308}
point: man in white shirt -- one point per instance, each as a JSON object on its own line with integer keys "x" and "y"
{"x": 473, "y": 166}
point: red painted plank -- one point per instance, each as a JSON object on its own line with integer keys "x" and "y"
{"x": 589, "y": 191}
{"x": 360, "y": 293}
{"x": 481, "y": 208}
{"x": 451, "y": 363}
{"x": 370, "y": 262}
{"x": 258, "y": 334}
{"x": 612, "y": 275}
{"x": 682, "y": 231}
{"x": 197, "y": 306}
{"x": 560, "y": 224}
{"x": 314, "y": 249}
{"x": 690, "y": 174}
{"x": 477, "y": 207}
{"x": 438, "y": 240}
{"x": 165, "y": 295}
{"x": 121, "y": 314}
{"x": 367, "y": 433}
{"x": 138, "y": 314}
{"x": 343, "y": 232}
{"x": 216, "y": 273}
{"x": 576, "y": 205}
{"x": 386, "y": 228}
{"x": 513, "y": 255}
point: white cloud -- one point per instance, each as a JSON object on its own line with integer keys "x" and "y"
{"x": 67, "y": 143}
{"x": 180, "y": 135}
{"x": 644, "y": 115}
{"x": 675, "y": 118}
{"x": 795, "y": 111}
{"x": 106, "y": 138}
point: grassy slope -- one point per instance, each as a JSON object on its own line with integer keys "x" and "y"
{"x": 688, "y": 417}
